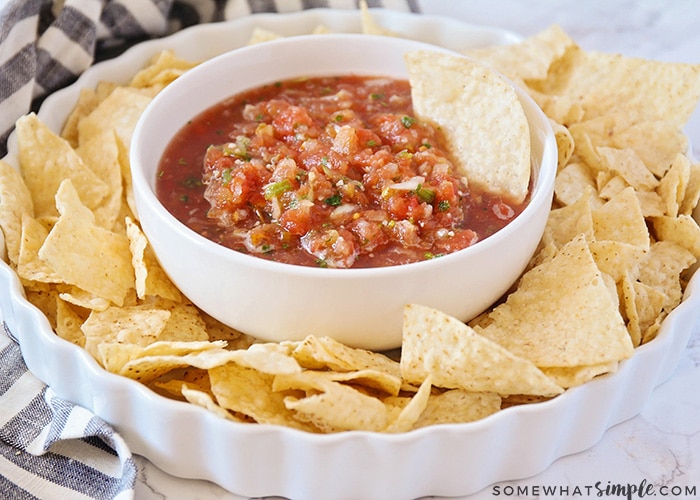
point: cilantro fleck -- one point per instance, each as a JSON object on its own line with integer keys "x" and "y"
{"x": 425, "y": 194}
{"x": 431, "y": 255}
{"x": 192, "y": 182}
{"x": 408, "y": 121}
{"x": 334, "y": 200}
{"x": 443, "y": 206}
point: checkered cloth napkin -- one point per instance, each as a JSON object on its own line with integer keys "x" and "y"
{"x": 50, "y": 448}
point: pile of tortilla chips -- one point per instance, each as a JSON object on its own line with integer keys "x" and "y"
{"x": 611, "y": 266}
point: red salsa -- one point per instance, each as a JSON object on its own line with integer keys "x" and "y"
{"x": 330, "y": 172}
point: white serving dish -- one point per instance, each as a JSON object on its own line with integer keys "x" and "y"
{"x": 261, "y": 460}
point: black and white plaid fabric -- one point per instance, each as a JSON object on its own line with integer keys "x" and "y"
{"x": 50, "y": 448}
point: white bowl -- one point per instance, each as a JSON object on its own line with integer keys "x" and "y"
{"x": 275, "y": 301}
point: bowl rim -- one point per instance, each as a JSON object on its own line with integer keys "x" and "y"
{"x": 541, "y": 179}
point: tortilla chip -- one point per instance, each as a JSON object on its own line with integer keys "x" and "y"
{"x": 643, "y": 305}
{"x": 29, "y": 266}
{"x": 249, "y": 392}
{"x": 565, "y": 143}
{"x": 118, "y": 112}
{"x": 682, "y": 230}
{"x": 572, "y": 376}
{"x": 101, "y": 155}
{"x": 616, "y": 258}
{"x": 642, "y": 90}
{"x": 150, "y": 278}
{"x": 458, "y": 406}
{"x": 566, "y": 223}
{"x": 621, "y": 219}
{"x": 655, "y": 143}
{"x": 662, "y": 268}
{"x": 529, "y": 59}
{"x": 206, "y": 401}
{"x": 369, "y": 25}
{"x": 46, "y": 160}
{"x": 480, "y": 115}
{"x": 81, "y": 298}
{"x": 84, "y": 254}
{"x": 326, "y": 353}
{"x": 673, "y": 185}
{"x": 15, "y": 202}
{"x": 572, "y": 182}
{"x": 334, "y": 407}
{"x": 374, "y": 380}
{"x": 454, "y": 356}
{"x": 562, "y": 314}
{"x": 261, "y": 35}
{"x": 692, "y": 191}
{"x": 411, "y": 412}
{"x": 629, "y": 166}
{"x": 138, "y": 325}
{"x": 164, "y": 68}
{"x": 68, "y": 323}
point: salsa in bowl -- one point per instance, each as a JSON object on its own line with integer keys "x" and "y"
{"x": 325, "y": 171}
{"x": 289, "y": 209}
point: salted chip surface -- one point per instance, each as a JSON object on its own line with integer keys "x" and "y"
{"x": 29, "y": 266}
{"x": 46, "y": 160}
{"x": 165, "y": 67}
{"x": 562, "y": 314}
{"x": 573, "y": 182}
{"x": 136, "y": 325}
{"x": 458, "y": 406}
{"x": 572, "y": 376}
{"x": 150, "y": 278}
{"x": 640, "y": 89}
{"x": 85, "y": 254}
{"x": 565, "y": 223}
{"x": 101, "y": 155}
{"x": 528, "y": 59}
{"x": 324, "y": 352}
{"x": 480, "y": 115}
{"x": 15, "y": 201}
{"x": 334, "y": 407}
{"x": 682, "y": 230}
{"x": 621, "y": 219}
{"x": 248, "y": 392}
{"x": 453, "y": 355}
{"x": 674, "y": 184}
{"x": 411, "y": 412}
{"x": 118, "y": 112}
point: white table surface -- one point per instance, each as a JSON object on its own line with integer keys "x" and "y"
{"x": 661, "y": 446}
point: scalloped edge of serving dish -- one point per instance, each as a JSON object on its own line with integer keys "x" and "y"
{"x": 264, "y": 460}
